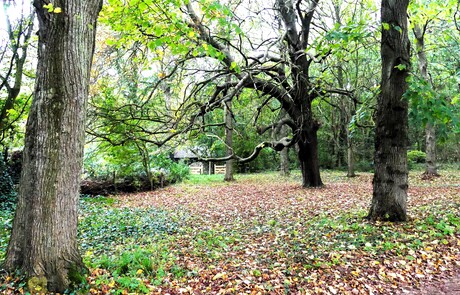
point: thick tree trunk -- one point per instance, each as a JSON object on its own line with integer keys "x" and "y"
{"x": 430, "y": 131}
{"x": 307, "y": 151}
{"x": 390, "y": 177}
{"x": 43, "y": 241}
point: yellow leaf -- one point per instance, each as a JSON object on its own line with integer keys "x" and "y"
{"x": 191, "y": 34}
{"x": 139, "y": 271}
{"x": 57, "y": 10}
{"x": 161, "y": 75}
{"x": 160, "y": 53}
{"x": 219, "y": 275}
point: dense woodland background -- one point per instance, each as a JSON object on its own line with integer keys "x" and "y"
{"x": 260, "y": 86}
{"x": 150, "y": 80}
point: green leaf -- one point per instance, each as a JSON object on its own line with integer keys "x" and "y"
{"x": 49, "y": 7}
{"x": 401, "y": 67}
{"x": 386, "y": 26}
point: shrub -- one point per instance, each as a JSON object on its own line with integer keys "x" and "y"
{"x": 415, "y": 156}
{"x": 172, "y": 171}
{"x": 15, "y": 166}
{"x": 364, "y": 166}
{"x": 7, "y": 192}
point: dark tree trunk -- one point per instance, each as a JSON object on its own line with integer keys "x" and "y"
{"x": 390, "y": 177}
{"x": 307, "y": 152}
{"x": 43, "y": 241}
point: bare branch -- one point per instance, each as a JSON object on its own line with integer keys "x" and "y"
{"x": 277, "y": 126}
{"x": 276, "y": 145}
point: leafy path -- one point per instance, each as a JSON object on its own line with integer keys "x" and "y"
{"x": 448, "y": 285}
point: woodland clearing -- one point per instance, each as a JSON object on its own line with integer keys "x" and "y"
{"x": 265, "y": 234}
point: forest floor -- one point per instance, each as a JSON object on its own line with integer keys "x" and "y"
{"x": 265, "y": 234}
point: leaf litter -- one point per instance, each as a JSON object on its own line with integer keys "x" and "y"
{"x": 265, "y": 234}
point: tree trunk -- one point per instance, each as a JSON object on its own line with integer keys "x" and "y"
{"x": 228, "y": 141}
{"x": 391, "y": 139}
{"x": 350, "y": 156}
{"x": 43, "y": 241}
{"x": 284, "y": 162}
{"x": 307, "y": 151}
{"x": 430, "y": 149}
{"x": 430, "y": 131}
{"x": 284, "y": 154}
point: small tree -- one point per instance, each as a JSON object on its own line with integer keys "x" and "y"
{"x": 14, "y": 57}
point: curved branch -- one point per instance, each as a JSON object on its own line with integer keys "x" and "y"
{"x": 206, "y": 36}
{"x": 276, "y": 145}
{"x": 277, "y": 126}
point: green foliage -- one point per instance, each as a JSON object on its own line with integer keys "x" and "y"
{"x": 174, "y": 171}
{"x": 342, "y": 36}
{"x": 416, "y": 156}
{"x": 7, "y": 191}
{"x": 133, "y": 269}
{"x": 129, "y": 164}
{"x": 6, "y": 223}
{"x": 101, "y": 227}
{"x": 15, "y": 166}
{"x": 169, "y": 29}
{"x": 364, "y": 165}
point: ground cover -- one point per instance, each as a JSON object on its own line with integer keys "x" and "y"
{"x": 264, "y": 234}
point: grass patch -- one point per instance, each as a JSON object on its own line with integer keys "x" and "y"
{"x": 204, "y": 179}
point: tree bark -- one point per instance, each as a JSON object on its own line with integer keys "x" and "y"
{"x": 307, "y": 151}
{"x": 390, "y": 177}
{"x": 350, "y": 156}
{"x": 43, "y": 241}
{"x": 430, "y": 131}
{"x": 284, "y": 153}
{"x": 228, "y": 141}
{"x": 430, "y": 149}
